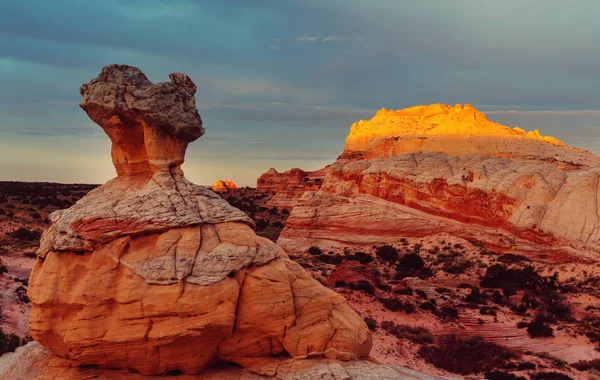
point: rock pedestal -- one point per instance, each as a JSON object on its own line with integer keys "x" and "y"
{"x": 152, "y": 273}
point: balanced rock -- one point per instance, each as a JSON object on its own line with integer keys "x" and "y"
{"x": 152, "y": 273}
{"x": 224, "y": 185}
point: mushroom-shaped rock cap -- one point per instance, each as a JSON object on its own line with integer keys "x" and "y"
{"x": 149, "y": 124}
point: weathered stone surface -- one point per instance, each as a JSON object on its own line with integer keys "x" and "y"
{"x": 152, "y": 273}
{"x": 36, "y": 363}
{"x": 150, "y": 125}
{"x": 503, "y": 203}
{"x": 224, "y": 185}
{"x": 289, "y": 186}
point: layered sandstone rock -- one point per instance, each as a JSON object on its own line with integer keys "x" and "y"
{"x": 36, "y": 363}
{"x": 289, "y": 186}
{"x": 152, "y": 273}
{"x": 455, "y": 131}
{"x": 224, "y": 185}
{"x": 507, "y": 205}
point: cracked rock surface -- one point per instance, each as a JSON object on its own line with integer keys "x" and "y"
{"x": 152, "y": 273}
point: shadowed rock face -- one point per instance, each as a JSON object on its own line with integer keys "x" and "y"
{"x": 153, "y": 273}
{"x": 150, "y": 125}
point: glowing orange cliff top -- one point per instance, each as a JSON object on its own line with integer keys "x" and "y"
{"x": 438, "y": 119}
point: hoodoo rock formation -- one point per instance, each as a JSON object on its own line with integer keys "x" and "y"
{"x": 543, "y": 199}
{"x": 152, "y": 273}
{"x": 224, "y": 185}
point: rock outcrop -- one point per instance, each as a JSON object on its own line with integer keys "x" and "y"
{"x": 431, "y": 169}
{"x": 506, "y": 205}
{"x": 36, "y": 363}
{"x": 152, "y": 273}
{"x": 456, "y": 131}
{"x": 224, "y": 185}
{"x": 289, "y": 186}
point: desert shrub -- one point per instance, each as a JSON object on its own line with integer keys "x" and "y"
{"x": 539, "y": 328}
{"x": 362, "y": 285}
{"x": 371, "y": 323}
{"x": 466, "y": 356}
{"x": 412, "y": 265}
{"x": 2, "y": 212}
{"x": 315, "y": 251}
{"x": 261, "y": 224}
{"x": 464, "y": 285}
{"x": 427, "y": 306}
{"x": 558, "y": 307}
{"x": 22, "y": 294}
{"x": 450, "y": 311}
{"x": 474, "y": 296}
{"x": 421, "y": 294}
{"x": 8, "y": 342}
{"x": 285, "y": 211}
{"x": 384, "y": 287}
{"x": 340, "y": 284}
{"x": 443, "y": 290}
{"x": 550, "y": 376}
{"x": 393, "y": 304}
{"x": 511, "y": 258}
{"x": 509, "y": 290}
{"x": 361, "y": 257}
{"x": 591, "y": 326}
{"x": 404, "y": 291}
{"x": 31, "y": 255}
{"x": 498, "y": 276}
{"x": 501, "y": 375}
{"x": 25, "y": 234}
{"x": 331, "y": 259}
{"x": 523, "y": 366}
{"x": 409, "y": 308}
{"x": 459, "y": 267}
{"x": 486, "y": 310}
{"x": 419, "y": 335}
{"x": 3, "y": 269}
{"x": 410, "y": 262}
{"x": 522, "y": 324}
{"x": 387, "y": 253}
{"x": 586, "y": 365}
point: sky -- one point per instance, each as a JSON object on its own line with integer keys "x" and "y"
{"x": 280, "y": 82}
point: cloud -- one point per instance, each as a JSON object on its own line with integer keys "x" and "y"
{"x": 546, "y": 112}
{"x": 274, "y": 47}
{"x": 335, "y": 38}
{"x": 306, "y": 39}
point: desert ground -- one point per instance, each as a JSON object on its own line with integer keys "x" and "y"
{"x": 420, "y": 296}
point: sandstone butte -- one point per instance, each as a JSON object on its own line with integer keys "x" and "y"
{"x": 152, "y": 273}
{"x": 289, "y": 186}
{"x": 224, "y": 185}
{"x": 432, "y": 169}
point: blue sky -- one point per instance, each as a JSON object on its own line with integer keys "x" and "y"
{"x": 280, "y": 82}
